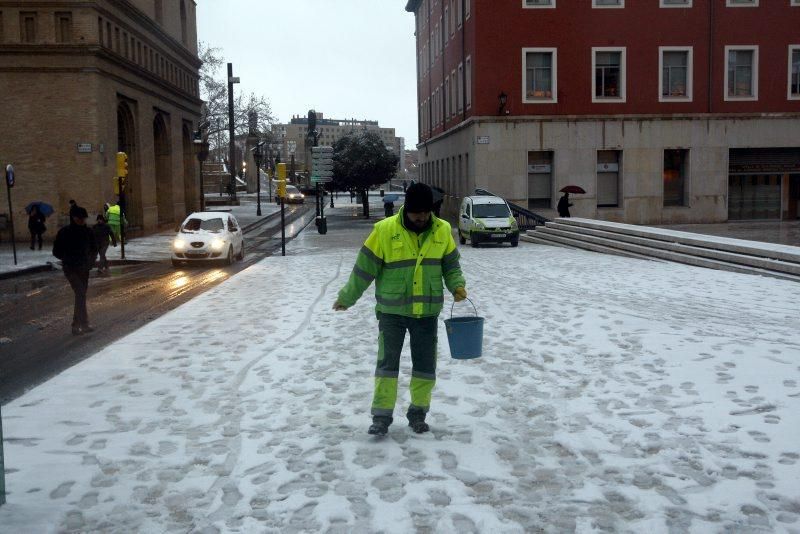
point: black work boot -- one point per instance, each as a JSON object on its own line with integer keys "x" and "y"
{"x": 416, "y": 420}
{"x": 380, "y": 425}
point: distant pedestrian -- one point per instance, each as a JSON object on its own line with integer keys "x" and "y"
{"x": 103, "y": 235}
{"x": 76, "y": 248}
{"x": 405, "y": 186}
{"x": 36, "y": 226}
{"x": 352, "y": 195}
{"x": 388, "y": 208}
{"x": 563, "y": 206}
{"x": 407, "y": 255}
{"x": 115, "y": 219}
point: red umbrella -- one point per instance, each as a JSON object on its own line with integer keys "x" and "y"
{"x": 573, "y": 189}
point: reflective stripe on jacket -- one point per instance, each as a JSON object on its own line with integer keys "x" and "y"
{"x": 408, "y": 268}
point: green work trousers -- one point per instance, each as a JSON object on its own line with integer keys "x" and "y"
{"x": 392, "y": 333}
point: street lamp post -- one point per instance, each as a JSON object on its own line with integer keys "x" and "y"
{"x": 257, "y": 155}
{"x": 202, "y": 154}
{"x": 231, "y": 132}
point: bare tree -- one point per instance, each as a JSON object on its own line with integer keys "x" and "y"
{"x": 214, "y": 92}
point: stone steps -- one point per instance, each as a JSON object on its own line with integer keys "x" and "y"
{"x": 778, "y": 261}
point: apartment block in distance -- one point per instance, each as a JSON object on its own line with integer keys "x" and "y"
{"x": 81, "y": 81}
{"x": 664, "y": 111}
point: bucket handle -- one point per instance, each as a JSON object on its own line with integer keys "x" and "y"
{"x": 470, "y": 301}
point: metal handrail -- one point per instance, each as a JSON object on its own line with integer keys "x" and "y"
{"x": 526, "y": 219}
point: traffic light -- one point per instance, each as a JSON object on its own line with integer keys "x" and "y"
{"x": 122, "y": 164}
{"x": 281, "y": 172}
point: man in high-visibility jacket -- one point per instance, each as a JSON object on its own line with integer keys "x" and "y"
{"x": 115, "y": 220}
{"x": 407, "y": 255}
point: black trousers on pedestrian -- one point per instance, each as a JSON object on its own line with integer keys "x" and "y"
{"x": 34, "y": 236}
{"x": 102, "y": 264}
{"x": 78, "y": 278}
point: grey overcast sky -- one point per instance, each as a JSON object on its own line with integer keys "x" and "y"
{"x": 346, "y": 58}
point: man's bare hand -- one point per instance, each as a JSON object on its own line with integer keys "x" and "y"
{"x": 339, "y": 307}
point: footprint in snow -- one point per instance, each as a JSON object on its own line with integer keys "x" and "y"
{"x": 62, "y": 490}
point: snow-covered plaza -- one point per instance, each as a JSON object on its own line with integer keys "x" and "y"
{"x": 614, "y": 395}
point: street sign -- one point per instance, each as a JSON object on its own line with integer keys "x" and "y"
{"x": 84, "y": 148}
{"x": 292, "y": 146}
{"x": 322, "y": 164}
{"x": 483, "y": 139}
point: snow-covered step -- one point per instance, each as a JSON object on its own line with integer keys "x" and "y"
{"x": 740, "y": 246}
{"x": 759, "y": 262}
{"x": 581, "y": 240}
{"x": 543, "y": 238}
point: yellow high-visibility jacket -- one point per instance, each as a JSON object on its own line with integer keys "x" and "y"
{"x": 408, "y": 268}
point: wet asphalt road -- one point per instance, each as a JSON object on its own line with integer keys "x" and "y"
{"x": 36, "y": 310}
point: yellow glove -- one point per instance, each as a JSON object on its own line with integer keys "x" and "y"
{"x": 460, "y": 294}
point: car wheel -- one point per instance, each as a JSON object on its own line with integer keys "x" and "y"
{"x": 461, "y": 238}
{"x": 229, "y": 259}
{"x": 240, "y": 257}
{"x": 515, "y": 242}
{"x": 472, "y": 240}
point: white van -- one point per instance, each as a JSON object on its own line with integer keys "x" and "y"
{"x": 486, "y": 219}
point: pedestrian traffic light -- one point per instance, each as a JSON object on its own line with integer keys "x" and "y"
{"x": 281, "y": 172}
{"x": 122, "y": 164}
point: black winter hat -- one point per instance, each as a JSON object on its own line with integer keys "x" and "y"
{"x": 77, "y": 211}
{"x": 419, "y": 198}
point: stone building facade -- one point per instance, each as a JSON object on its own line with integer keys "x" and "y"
{"x": 82, "y": 80}
{"x": 664, "y": 111}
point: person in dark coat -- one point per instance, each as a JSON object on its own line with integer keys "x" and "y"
{"x": 36, "y": 226}
{"x": 103, "y": 234}
{"x": 564, "y": 205}
{"x": 75, "y": 246}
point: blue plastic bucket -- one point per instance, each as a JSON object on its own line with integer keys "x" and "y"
{"x": 465, "y": 335}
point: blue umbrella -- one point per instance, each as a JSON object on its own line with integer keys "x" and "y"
{"x": 44, "y": 208}
{"x": 391, "y": 197}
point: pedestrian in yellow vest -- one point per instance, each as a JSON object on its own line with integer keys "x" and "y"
{"x": 408, "y": 255}
{"x": 115, "y": 220}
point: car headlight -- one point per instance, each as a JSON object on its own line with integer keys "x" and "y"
{"x": 513, "y": 222}
{"x": 479, "y": 225}
{"x": 217, "y": 244}
{"x": 179, "y": 244}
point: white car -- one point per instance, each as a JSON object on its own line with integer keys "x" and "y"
{"x": 486, "y": 219}
{"x": 208, "y": 235}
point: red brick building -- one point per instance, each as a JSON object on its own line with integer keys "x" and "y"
{"x": 662, "y": 110}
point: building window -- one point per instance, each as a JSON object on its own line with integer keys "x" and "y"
{"x": 2, "y": 37}
{"x": 460, "y": 87}
{"x": 741, "y": 73}
{"x": 741, "y": 3}
{"x": 676, "y": 3}
{"x": 27, "y": 26}
{"x": 63, "y": 27}
{"x": 446, "y": 26}
{"x": 453, "y": 17}
{"x": 609, "y": 167}
{"x": 125, "y": 43}
{"x": 460, "y": 10}
{"x": 469, "y": 83}
{"x": 538, "y": 3}
{"x": 184, "y": 33}
{"x": 468, "y": 10}
{"x": 158, "y": 8}
{"x": 794, "y": 72}
{"x": 608, "y": 83}
{"x": 676, "y": 176}
{"x": 108, "y": 35}
{"x": 608, "y": 3}
{"x": 539, "y": 75}
{"x": 675, "y": 74}
{"x": 447, "y": 97}
{"x": 540, "y": 179}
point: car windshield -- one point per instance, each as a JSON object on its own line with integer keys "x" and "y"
{"x": 481, "y": 211}
{"x": 292, "y": 190}
{"x": 208, "y": 225}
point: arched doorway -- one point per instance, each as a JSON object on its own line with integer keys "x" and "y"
{"x": 162, "y": 149}
{"x": 126, "y": 142}
{"x": 190, "y": 194}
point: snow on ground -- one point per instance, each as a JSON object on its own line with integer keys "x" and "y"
{"x": 613, "y": 395}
